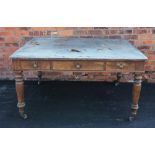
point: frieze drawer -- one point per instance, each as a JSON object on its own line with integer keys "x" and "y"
{"x": 79, "y": 65}
{"x": 122, "y": 66}
{"x": 35, "y": 65}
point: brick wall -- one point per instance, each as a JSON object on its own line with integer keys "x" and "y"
{"x": 11, "y": 38}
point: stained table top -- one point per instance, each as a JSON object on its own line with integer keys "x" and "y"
{"x": 78, "y": 49}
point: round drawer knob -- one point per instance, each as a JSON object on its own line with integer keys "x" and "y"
{"x": 78, "y": 66}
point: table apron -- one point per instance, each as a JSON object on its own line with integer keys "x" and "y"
{"x": 78, "y": 65}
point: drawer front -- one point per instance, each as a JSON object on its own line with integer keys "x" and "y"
{"x": 35, "y": 65}
{"x": 78, "y": 65}
{"x": 111, "y": 66}
{"x": 139, "y": 66}
{"x": 120, "y": 66}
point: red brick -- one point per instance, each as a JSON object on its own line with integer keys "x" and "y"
{"x": 2, "y": 44}
{"x": 88, "y": 33}
{"x": 149, "y": 63}
{"x": 2, "y": 29}
{"x": 130, "y": 36}
{"x": 153, "y": 31}
{"x": 6, "y": 33}
{"x": 61, "y": 28}
{"x": 145, "y": 37}
{"x": 2, "y": 39}
{"x": 21, "y": 33}
{"x": 149, "y": 42}
{"x": 95, "y": 32}
{"x": 10, "y": 28}
{"x": 140, "y": 31}
{"x": 144, "y": 47}
{"x": 39, "y": 33}
{"x": 113, "y": 32}
{"x": 38, "y": 29}
{"x": 128, "y": 31}
{"x": 12, "y": 39}
{"x": 151, "y": 57}
{"x": 65, "y": 33}
{"x": 101, "y": 28}
{"x": 24, "y": 28}
{"x": 148, "y": 68}
{"x": 12, "y": 44}
{"x": 115, "y": 37}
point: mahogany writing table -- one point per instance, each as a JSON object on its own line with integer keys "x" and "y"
{"x": 78, "y": 54}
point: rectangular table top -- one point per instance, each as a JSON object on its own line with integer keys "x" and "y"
{"x": 78, "y": 49}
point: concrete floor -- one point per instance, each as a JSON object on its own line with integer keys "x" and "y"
{"x": 76, "y": 105}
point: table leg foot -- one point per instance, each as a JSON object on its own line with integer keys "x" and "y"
{"x": 23, "y": 115}
{"x": 116, "y": 84}
{"x": 132, "y": 118}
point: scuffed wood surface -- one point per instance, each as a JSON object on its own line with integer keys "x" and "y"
{"x": 78, "y": 49}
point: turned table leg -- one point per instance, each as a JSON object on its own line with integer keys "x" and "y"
{"x": 135, "y": 96}
{"x": 20, "y": 93}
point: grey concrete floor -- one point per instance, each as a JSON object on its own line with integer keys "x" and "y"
{"x": 76, "y": 105}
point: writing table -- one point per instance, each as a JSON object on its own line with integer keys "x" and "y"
{"x": 78, "y": 55}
